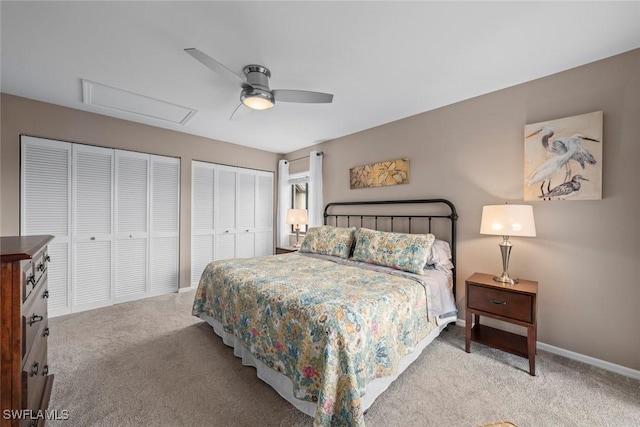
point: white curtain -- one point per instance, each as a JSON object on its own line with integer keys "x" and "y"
{"x": 316, "y": 207}
{"x": 284, "y": 202}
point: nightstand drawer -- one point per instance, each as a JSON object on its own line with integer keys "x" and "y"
{"x": 503, "y": 303}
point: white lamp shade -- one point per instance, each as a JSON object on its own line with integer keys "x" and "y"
{"x": 508, "y": 220}
{"x": 297, "y": 217}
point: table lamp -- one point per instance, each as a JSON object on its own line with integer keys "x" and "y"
{"x": 297, "y": 217}
{"x": 507, "y": 220}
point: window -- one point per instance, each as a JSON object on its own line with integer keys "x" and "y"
{"x": 299, "y": 195}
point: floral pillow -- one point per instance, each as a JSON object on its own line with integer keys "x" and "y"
{"x": 328, "y": 240}
{"x": 406, "y": 252}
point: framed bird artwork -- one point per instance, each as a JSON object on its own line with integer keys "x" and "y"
{"x": 563, "y": 159}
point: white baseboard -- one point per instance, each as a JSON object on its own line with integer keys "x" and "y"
{"x": 187, "y": 289}
{"x": 599, "y": 363}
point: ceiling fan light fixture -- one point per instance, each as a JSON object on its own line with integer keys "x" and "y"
{"x": 257, "y": 99}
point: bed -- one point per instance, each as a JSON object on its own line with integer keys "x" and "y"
{"x": 332, "y": 326}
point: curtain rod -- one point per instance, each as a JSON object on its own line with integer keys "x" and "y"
{"x": 319, "y": 153}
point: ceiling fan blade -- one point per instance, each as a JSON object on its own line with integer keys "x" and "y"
{"x": 214, "y": 65}
{"x": 302, "y": 96}
{"x": 240, "y": 113}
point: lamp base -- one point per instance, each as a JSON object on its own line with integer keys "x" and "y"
{"x": 504, "y": 278}
{"x": 297, "y": 244}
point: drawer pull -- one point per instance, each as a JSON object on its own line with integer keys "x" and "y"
{"x": 34, "y": 369}
{"x": 32, "y": 280}
{"x": 47, "y": 258}
{"x": 45, "y": 370}
{"x": 496, "y": 302}
{"x": 45, "y": 294}
{"x": 34, "y": 319}
{"x": 45, "y": 333}
{"x": 41, "y": 266}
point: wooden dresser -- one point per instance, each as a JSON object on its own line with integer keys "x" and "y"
{"x": 25, "y": 381}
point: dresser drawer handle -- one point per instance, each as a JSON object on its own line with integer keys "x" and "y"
{"x": 45, "y": 294}
{"x": 45, "y": 370}
{"x": 34, "y": 319}
{"x": 31, "y": 280}
{"x": 496, "y": 302}
{"x": 47, "y": 258}
{"x": 45, "y": 333}
{"x": 34, "y": 369}
{"x": 41, "y": 266}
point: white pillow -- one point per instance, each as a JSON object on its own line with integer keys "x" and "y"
{"x": 440, "y": 255}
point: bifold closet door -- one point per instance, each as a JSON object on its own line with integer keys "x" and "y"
{"x": 246, "y": 214}
{"x": 202, "y": 218}
{"x": 131, "y": 225}
{"x": 93, "y": 249}
{"x": 45, "y": 200}
{"x": 165, "y": 225}
{"x": 264, "y": 214}
{"x": 225, "y": 212}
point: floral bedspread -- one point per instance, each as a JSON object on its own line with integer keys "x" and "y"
{"x": 330, "y": 328}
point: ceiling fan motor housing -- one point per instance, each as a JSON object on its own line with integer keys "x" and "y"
{"x": 257, "y": 76}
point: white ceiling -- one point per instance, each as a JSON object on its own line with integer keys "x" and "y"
{"x": 383, "y": 61}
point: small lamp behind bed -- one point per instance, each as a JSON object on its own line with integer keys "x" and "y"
{"x": 297, "y": 217}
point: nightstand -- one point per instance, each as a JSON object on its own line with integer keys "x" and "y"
{"x": 285, "y": 250}
{"x": 510, "y": 303}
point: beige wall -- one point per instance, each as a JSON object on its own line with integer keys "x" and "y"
{"x": 586, "y": 254}
{"x": 24, "y": 116}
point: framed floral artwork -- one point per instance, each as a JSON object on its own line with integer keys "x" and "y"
{"x": 391, "y": 172}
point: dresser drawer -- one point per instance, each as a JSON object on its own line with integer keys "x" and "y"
{"x": 33, "y": 272}
{"x": 503, "y": 303}
{"x": 34, "y": 374}
{"x": 34, "y": 317}
{"x": 28, "y": 278}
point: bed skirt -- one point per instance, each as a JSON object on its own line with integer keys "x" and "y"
{"x": 283, "y": 385}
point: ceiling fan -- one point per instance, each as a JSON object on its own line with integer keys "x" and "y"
{"x": 256, "y": 93}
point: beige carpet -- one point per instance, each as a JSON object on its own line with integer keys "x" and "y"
{"x": 150, "y": 363}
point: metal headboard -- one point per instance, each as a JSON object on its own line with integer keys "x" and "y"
{"x": 451, "y": 215}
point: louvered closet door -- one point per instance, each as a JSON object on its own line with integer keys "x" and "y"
{"x": 202, "y": 218}
{"x": 246, "y": 213}
{"x": 45, "y": 200}
{"x": 264, "y": 213}
{"x": 92, "y": 227}
{"x": 131, "y": 224}
{"x": 165, "y": 224}
{"x": 225, "y": 212}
